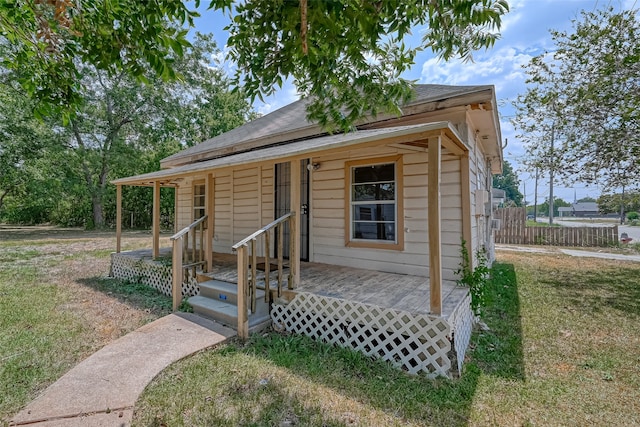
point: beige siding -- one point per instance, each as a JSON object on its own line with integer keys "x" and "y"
{"x": 328, "y": 185}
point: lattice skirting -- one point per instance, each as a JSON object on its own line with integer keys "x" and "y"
{"x": 461, "y": 320}
{"x": 149, "y": 272}
{"x": 416, "y": 343}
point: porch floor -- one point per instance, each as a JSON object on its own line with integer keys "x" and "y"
{"x": 398, "y": 291}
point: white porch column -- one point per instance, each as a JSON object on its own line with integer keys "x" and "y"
{"x": 156, "y": 219}
{"x": 118, "y": 217}
{"x": 465, "y": 190}
{"x": 294, "y": 249}
{"x": 210, "y": 210}
{"x": 434, "y": 224}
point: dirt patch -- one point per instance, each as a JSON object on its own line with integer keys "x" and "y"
{"x": 72, "y": 258}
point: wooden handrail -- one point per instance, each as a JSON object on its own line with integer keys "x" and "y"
{"x": 182, "y": 260}
{"x": 246, "y": 249}
{"x": 262, "y": 230}
{"x": 188, "y": 228}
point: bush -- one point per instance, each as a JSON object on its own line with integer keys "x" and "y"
{"x": 633, "y": 216}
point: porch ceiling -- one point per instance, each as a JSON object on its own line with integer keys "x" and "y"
{"x": 399, "y": 134}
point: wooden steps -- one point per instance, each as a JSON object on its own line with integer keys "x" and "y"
{"x": 218, "y": 301}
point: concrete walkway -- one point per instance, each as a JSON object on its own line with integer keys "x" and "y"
{"x": 102, "y": 389}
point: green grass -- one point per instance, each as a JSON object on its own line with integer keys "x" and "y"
{"x": 47, "y": 318}
{"x": 562, "y": 349}
{"x": 37, "y": 341}
{"x": 138, "y": 295}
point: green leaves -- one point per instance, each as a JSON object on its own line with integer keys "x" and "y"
{"x": 355, "y": 53}
{"x": 587, "y": 90}
{"x": 46, "y": 41}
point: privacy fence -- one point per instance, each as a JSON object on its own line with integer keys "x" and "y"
{"x": 513, "y": 230}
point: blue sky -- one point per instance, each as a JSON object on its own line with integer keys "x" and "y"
{"x": 525, "y": 34}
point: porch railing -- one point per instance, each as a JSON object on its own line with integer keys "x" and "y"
{"x": 184, "y": 259}
{"x": 246, "y": 249}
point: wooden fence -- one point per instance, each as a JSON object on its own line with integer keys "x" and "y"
{"x": 513, "y": 230}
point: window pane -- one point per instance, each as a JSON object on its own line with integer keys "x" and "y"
{"x": 375, "y": 212}
{"x": 379, "y": 191}
{"x": 374, "y": 231}
{"x": 374, "y": 173}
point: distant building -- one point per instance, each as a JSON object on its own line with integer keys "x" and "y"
{"x": 565, "y": 212}
{"x": 585, "y": 209}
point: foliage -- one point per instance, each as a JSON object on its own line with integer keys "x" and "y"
{"x": 584, "y": 97}
{"x": 543, "y": 208}
{"x": 586, "y": 199}
{"x": 610, "y": 203}
{"x": 509, "y": 182}
{"x": 50, "y": 41}
{"x": 633, "y": 216}
{"x": 124, "y": 127}
{"x": 347, "y": 56}
{"x": 474, "y": 277}
{"x": 24, "y": 144}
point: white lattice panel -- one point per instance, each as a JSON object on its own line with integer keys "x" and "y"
{"x": 417, "y": 343}
{"x": 462, "y": 320}
{"x": 150, "y": 273}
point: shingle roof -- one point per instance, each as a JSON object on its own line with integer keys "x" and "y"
{"x": 585, "y": 207}
{"x": 279, "y": 125}
{"x": 282, "y": 151}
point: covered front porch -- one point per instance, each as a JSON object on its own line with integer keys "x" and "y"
{"x": 390, "y": 290}
{"x": 384, "y": 315}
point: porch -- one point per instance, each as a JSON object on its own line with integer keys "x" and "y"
{"x": 390, "y": 290}
{"x": 384, "y": 315}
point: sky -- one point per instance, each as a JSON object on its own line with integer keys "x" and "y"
{"x": 524, "y": 34}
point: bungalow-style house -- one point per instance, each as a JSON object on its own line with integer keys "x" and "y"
{"x": 352, "y": 238}
{"x": 565, "y": 211}
{"x": 585, "y": 209}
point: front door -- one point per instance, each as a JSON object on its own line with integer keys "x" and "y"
{"x": 282, "y": 203}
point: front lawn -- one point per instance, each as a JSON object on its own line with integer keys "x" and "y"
{"x": 562, "y": 349}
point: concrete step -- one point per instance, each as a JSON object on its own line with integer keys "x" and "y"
{"x": 227, "y": 313}
{"x": 224, "y": 291}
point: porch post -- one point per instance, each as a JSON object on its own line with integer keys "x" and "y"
{"x": 156, "y": 219}
{"x": 210, "y": 209}
{"x": 465, "y": 189}
{"x": 118, "y": 217}
{"x": 435, "y": 256}
{"x": 294, "y": 249}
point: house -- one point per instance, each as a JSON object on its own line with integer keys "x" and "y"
{"x": 585, "y": 209}
{"x": 565, "y": 211}
{"x": 352, "y": 238}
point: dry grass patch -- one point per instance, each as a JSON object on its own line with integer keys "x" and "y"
{"x": 58, "y": 307}
{"x": 562, "y": 349}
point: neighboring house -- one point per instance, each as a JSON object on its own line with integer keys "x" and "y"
{"x": 564, "y": 212}
{"x": 585, "y": 209}
{"x": 377, "y": 217}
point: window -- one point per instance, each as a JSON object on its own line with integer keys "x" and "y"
{"x": 198, "y": 201}
{"x": 374, "y": 209}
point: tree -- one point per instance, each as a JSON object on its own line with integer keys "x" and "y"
{"x": 127, "y": 126}
{"x": 48, "y": 40}
{"x": 610, "y": 203}
{"x": 586, "y": 200}
{"x": 543, "y": 208}
{"x": 345, "y": 55}
{"x": 23, "y": 140}
{"x": 509, "y": 182}
{"x": 582, "y": 106}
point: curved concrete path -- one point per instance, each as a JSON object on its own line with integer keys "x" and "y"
{"x": 102, "y": 389}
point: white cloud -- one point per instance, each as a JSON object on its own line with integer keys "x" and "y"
{"x": 502, "y": 68}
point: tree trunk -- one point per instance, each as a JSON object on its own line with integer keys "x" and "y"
{"x": 98, "y": 210}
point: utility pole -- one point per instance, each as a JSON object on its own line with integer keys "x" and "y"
{"x": 551, "y": 177}
{"x": 535, "y": 198}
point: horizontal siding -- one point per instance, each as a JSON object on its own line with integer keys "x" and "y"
{"x": 328, "y": 185}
